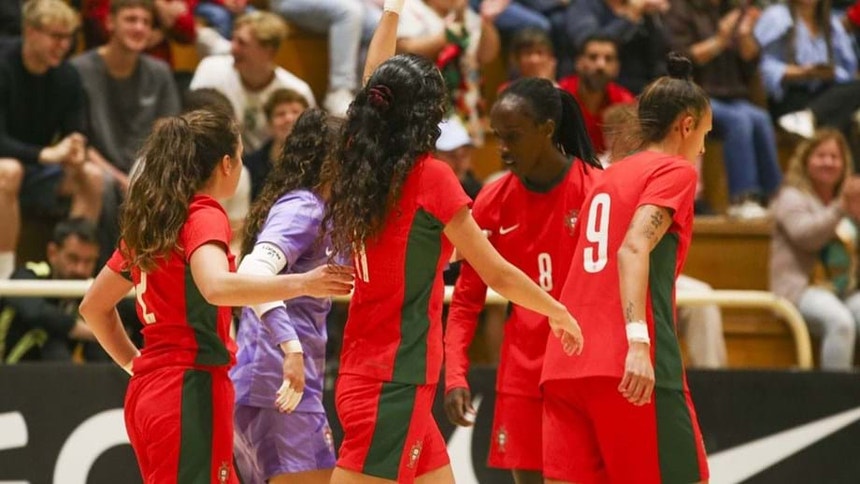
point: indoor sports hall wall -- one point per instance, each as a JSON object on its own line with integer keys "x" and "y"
{"x": 63, "y": 425}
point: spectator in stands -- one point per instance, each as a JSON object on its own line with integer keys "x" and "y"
{"x": 174, "y": 21}
{"x": 593, "y": 85}
{"x": 718, "y": 38}
{"x": 48, "y": 329}
{"x": 814, "y": 258}
{"x": 459, "y": 40}
{"x": 219, "y": 14}
{"x": 41, "y": 102}
{"x": 546, "y": 16}
{"x": 455, "y": 148}
{"x": 532, "y": 55}
{"x": 249, "y": 76}
{"x": 126, "y": 90}
{"x": 10, "y": 18}
{"x": 809, "y": 67}
{"x": 344, "y": 21}
{"x": 282, "y": 111}
{"x": 702, "y": 327}
{"x": 637, "y": 28}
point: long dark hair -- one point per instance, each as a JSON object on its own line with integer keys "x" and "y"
{"x": 547, "y": 102}
{"x": 302, "y": 165}
{"x": 392, "y": 121}
{"x": 179, "y": 156}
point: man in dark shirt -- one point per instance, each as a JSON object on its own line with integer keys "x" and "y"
{"x": 39, "y": 328}
{"x": 42, "y": 152}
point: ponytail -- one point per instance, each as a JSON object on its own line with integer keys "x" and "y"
{"x": 178, "y": 158}
{"x": 570, "y": 133}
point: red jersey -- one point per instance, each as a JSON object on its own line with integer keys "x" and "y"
{"x": 615, "y": 94}
{"x": 394, "y": 328}
{"x": 533, "y": 230}
{"x": 591, "y": 291}
{"x": 180, "y": 328}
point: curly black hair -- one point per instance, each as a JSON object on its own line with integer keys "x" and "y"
{"x": 303, "y": 164}
{"x": 392, "y": 122}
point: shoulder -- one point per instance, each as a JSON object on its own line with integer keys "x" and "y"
{"x": 569, "y": 84}
{"x": 205, "y": 206}
{"x": 212, "y": 70}
{"x": 619, "y": 94}
{"x": 155, "y": 66}
{"x": 306, "y": 199}
{"x": 86, "y": 61}
{"x": 773, "y": 23}
{"x": 289, "y": 80}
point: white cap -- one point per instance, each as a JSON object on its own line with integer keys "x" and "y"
{"x": 454, "y": 135}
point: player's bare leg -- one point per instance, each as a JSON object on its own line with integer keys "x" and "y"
{"x": 309, "y": 477}
{"x": 527, "y": 477}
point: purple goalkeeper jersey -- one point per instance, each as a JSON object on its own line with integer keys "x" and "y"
{"x": 293, "y": 226}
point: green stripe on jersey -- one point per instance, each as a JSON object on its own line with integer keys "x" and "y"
{"x": 393, "y": 418}
{"x": 676, "y": 442}
{"x": 422, "y": 254}
{"x": 195, "y": 448}
{"x": 668, "y": 369}
{"x": 202, "y": 317}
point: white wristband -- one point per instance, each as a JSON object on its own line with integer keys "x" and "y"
{"x": 637, "y": 332}
{"x": 291, "y": 346}
{"x": 395, "y": 6}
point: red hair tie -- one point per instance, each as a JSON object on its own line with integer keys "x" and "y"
{"x": 380, "y": 97}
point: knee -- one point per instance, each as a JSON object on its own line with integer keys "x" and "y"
{"x": 843, "y": 327}
{"x": 11, "y": 176}
{"x": 350, "y": 12}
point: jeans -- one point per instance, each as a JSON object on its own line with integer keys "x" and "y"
{"x": 749, "y": 147}
{"x": 516, "y": 17}
{"x": 343, "y": 20}
{"x": 836, "y": 321}
{"x": 218, "y": 17}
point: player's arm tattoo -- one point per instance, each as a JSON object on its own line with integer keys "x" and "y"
{"x": 657, "y": 218}
{"x": 628, "y": 311}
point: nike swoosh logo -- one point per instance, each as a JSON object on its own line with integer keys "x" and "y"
{"x": 507, "y": 230}
{"x": 746, "y": 460}
{"x": 460, "y": 445}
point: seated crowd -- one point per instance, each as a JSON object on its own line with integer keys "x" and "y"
{"x": 74, "y": 110}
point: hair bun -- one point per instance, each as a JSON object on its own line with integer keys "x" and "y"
{"x": 679, "y": 67}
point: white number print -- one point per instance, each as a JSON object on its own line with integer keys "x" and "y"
{"x": 545, "y": 271}
{"x": 140, "y": 289}
{"x": 360, "y": 259}
{"x": 597, "y": 232}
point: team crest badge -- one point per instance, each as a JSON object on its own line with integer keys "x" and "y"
{"x": 502, "y": 439}
{"x": 224, "y": 472}
{"x": 570, "y": 220}
{"x": 414, "y": 454}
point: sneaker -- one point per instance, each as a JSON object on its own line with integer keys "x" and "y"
{"x": 337, "y": 102}
{"x": 801, "y": 123}
{"x": 747, "y": 210}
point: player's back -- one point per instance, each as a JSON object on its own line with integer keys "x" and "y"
{"x": 180, "y": 328}
{"x": 591, "y": 291}
{"x": 394, "y": 328}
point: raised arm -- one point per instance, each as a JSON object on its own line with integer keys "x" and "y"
{"x": 383, "y": 45}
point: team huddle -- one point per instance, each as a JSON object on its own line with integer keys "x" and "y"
{"x": 587, "y": 257}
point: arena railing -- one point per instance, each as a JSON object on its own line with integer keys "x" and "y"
{"x": 722, "y": 298}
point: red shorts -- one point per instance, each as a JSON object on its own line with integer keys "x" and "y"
{"x": 180, "y": 424}
{"x": 388, "y": 428}
{"x": 592, "y": 434}
{"x": 516, "y": 441}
